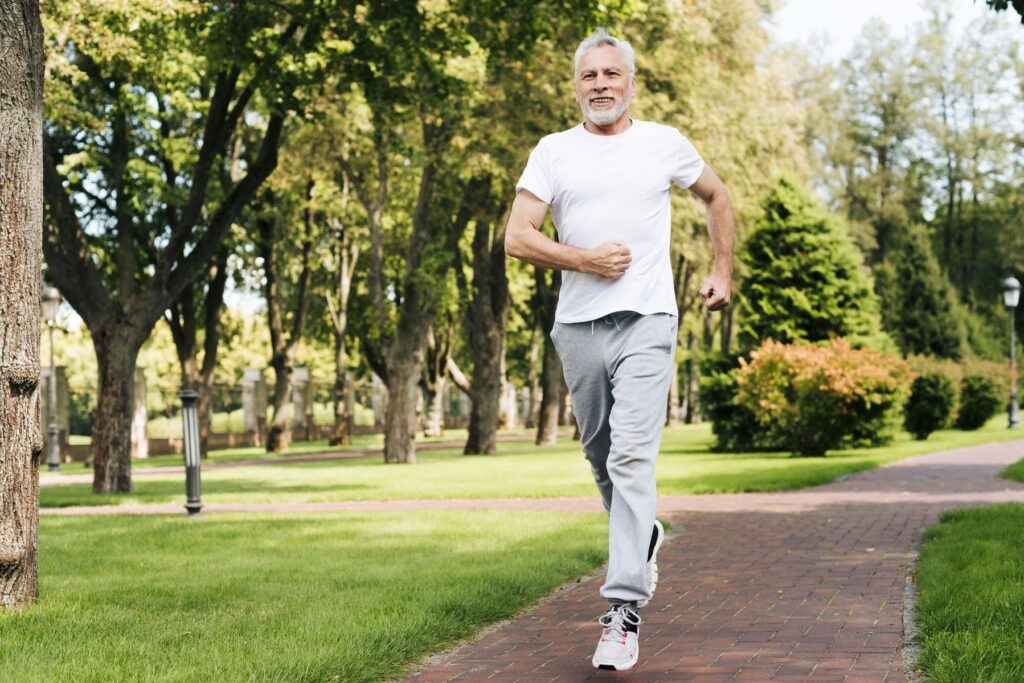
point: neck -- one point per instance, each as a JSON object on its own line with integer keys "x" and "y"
{"x": 620, "y": 126}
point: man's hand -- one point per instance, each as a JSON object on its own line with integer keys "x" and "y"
{"x": 716, "y": 291}
{"x": 609, "y": 259}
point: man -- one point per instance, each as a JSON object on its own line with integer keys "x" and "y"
{"x": 607, "y": 182}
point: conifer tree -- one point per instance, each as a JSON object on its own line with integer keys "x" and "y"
{"x": 806, "y": 279}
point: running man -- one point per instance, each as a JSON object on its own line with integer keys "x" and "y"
{"x": 607, "y": 182}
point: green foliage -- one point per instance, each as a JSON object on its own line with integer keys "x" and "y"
{"x": 734, "y": 425}
{"x": 810, "y": 399}
{"x": 805, "y": 280}
{"x": 920, "y": 308}
{"x": 980, "y": 400}
{"x": 930, "y": 405}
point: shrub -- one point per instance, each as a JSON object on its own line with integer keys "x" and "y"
{"x": 809, "y": 399}
{"x": 980, "y": 399}
{"x": 929, "y": 406}
{"x": 733, "y": 425}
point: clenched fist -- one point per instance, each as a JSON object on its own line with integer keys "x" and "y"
{"x": 609, "y": 259}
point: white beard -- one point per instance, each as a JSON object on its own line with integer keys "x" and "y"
{"x": 605, "y": 117}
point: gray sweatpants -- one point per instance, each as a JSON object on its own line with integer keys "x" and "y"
{"x": 618, "y": 370}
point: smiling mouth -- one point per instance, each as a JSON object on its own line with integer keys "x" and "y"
{"x": 602, "y": 100}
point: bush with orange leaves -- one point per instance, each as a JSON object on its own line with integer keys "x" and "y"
{"x": 809, "y": 399}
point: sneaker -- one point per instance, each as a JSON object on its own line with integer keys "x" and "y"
{"x": 619, "y": 646}
{"x": 652, "y": 561}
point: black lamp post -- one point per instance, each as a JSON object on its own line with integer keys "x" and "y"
{"x": 1011, "y": 296}
{"x": 50, "y": 304}
{"x": 190, "y": 417}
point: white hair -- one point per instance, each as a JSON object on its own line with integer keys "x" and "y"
{"x": 600, "y": 37}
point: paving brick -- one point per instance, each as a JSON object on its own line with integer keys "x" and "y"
{"x": 757, "y": 587}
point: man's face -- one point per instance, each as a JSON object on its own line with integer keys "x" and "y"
{"x": 603, "y": 85}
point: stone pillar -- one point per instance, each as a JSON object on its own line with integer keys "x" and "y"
{"x": 63, "y": 410}
{"x": 140, "y": 444}
{"x": 509, "y": 405}
{"x": 254, "y": 405}
{"x": 378, "y": 400}
{"x": 302, "y": 403}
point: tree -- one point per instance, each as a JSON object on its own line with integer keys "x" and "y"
{"x": 920, "y": 310}
{"x": 805, "y": 278}
{"x": 1003, "y": 5}
{"x": 271, "y": 225}
{"x": 139, "y": 124}
{"x": 21, "y": 218}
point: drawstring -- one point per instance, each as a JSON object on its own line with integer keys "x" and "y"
{"x": 609, "y": 320}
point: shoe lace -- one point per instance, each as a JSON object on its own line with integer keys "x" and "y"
{"x": 615, "y": 621}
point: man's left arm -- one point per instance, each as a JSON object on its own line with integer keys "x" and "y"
{"x": 716, "y": 291}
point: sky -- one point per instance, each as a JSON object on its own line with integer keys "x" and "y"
{"x": 842, "y": 20}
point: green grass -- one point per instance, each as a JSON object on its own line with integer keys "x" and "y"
{"x": 1014, "y": 471}
{"x": 354, "y": 597}
{"x": 359, "y": 442}
{"x": 971, "y": 607}
{"x": 520, "y": 469}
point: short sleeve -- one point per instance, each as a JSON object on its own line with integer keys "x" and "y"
{"x": 686, "y": 162}
{"x": 537, "y": 176}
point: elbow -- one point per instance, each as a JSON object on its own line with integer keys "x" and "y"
{"x": 512, "y": 246}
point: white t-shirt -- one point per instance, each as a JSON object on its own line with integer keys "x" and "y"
{"x": 614, "y": 187}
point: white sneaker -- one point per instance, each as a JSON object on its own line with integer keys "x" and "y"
{"x": 652, "y": 564}
{"x": 618, "y": 648}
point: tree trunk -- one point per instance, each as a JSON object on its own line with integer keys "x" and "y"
{"x": 533, "y": 382}
{"x": 551, "y": 395}
{"x": 485, "y": 320}
{"x": 433, "y": 398}
{"x": 279, "y": 436}
{"x": 486, "y": 400}
{"x": 691, "y": 388}
{"x": 400, "y": 418}
{"x": 341, "y": 433}
{"x": 551, "y": 379}
{"x": 116, "y": 355}
{"x": 21, "y": 220}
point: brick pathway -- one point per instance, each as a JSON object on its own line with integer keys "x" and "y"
{"x": 801, "y": 586}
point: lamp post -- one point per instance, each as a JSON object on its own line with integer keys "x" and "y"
{"x": 50, "y": 303}
{"x": 193, "y": 485}
{"x": 1011, "y": 296}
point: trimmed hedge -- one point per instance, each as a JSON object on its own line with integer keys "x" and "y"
{"x": 980, "y": 400}
{"x": 930, "y": 405}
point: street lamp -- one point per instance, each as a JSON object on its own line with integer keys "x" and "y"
{"x": 50, "y": 303}
{"x": 1011, "y": 296}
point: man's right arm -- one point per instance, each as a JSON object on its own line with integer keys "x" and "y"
{"x": 525, "y": 241}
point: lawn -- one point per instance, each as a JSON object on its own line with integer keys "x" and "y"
{"x": 971, "y": 607}
{"x": 520, "y": 469}
{"x": 359, "y": 442}
{"x": 1015, "y": 471}
{"x": 354, "y": 597}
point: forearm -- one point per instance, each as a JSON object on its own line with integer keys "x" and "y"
{"x": 536, "y": 248}
{"x": 722, "y": 229}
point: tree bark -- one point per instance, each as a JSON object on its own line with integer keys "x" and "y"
{"x": 552, "y": 380}
{"x": 21, "y": 219}
{"x": 283, "y": 347}
{"x": 116, "y": 356}
{"x": 434, "y": 379}
{"x": 485, "y": 321}
{"x": 400, "y": 417}
{"x": 279, "y": 436}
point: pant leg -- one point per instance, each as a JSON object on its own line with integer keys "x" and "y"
{"x": 581, "y": 347}
{"x": 641, "y": 369}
